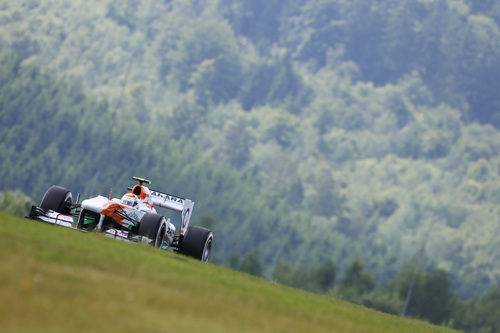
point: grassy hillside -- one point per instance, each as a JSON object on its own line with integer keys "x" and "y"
{"x": 55, "y": 279}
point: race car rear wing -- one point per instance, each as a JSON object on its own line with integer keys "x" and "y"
{"x": 169, "y": 201}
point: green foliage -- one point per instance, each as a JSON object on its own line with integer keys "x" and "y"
{"x": 251, "y": 264}
{"x": 259, "y": 20}
{"x": 327, "y": 200}
{"x": 356, "y": 282}
{"x": 271, "y": 82}
{"x": 487, "y": 311}
{"x": 478, "y": 315}
{"x": 15, "y": 203}
{"x": 207, "y": 221}
{"x": 452, "y": 47}
{"x": 285, "y": 273}
{"x": 429, "y": 293}
{"x": 238, "y": 141}
{"x": 318, "y": 278}
{"x": 206, "y": 59}
{"x": 382, "y": 301}
{"x": 323, "y": 275}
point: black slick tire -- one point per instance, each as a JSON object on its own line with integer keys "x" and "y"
{"x": 58, "y": 199}
{"x": 154, "y": 227}
{"x": 197, "y": 243}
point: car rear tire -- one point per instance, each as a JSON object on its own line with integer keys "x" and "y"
{"x": 197, "y": 243}
{"x": 154, "y": 227}
{"x": 58, "y": 199}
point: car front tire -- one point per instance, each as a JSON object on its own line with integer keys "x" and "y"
{"x": 154, "y": 227}
{"x": 58, "y": 199}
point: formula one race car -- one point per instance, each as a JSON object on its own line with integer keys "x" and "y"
{"x": 132, "y": 218}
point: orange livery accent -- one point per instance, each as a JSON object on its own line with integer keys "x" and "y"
{"x": 109, "y": 210}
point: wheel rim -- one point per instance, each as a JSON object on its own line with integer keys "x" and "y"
{"x": 161, "y": 235}
{"x": 207, "y": 250}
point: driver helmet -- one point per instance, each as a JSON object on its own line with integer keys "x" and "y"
{"x": 129, "y": 199}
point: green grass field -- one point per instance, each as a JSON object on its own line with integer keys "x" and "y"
{"x": 54, "y": 279}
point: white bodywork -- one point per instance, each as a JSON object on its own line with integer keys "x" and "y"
{"x": 184, "y": 206}
{"x": 58, "y": 219}
{"x": 155, "y": 198}
{"x": 95, "y": 204}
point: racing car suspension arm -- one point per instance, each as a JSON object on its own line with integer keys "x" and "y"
{"x": 125, "y": 216}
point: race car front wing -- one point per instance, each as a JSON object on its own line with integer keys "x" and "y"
{"x": 50, "y": 216}
{"x": 70, "y": 221}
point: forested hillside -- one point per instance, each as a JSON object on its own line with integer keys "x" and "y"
{"x": 304, "y": 131}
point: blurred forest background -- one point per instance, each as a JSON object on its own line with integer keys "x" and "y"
{"x": 324, "y": 141}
